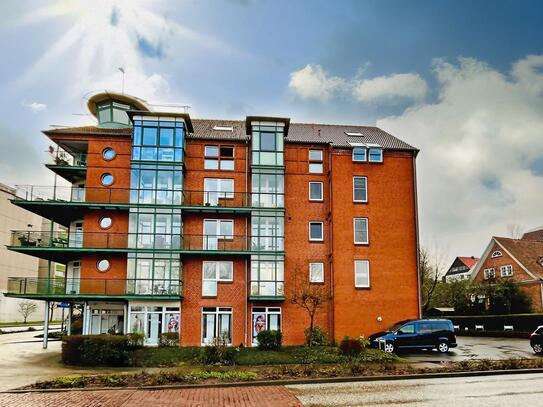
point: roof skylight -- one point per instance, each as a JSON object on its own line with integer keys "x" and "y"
{"x": 223, "y": 128}
{"x": 354, "y": 134}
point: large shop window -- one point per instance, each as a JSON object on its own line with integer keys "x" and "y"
{"x": 214, "y": 272}
{"x": 219, "y": 158}
{"x": 152, "y": 320}
{"x": 217, "y": 189}
{"x": 216, "y": 323}
{"x": 106, "y": 321}
{"x": 265, "y": 318}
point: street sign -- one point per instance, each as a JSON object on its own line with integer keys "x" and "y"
{"x": 63, "y": 305}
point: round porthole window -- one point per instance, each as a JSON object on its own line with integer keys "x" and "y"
{"x": 107, "y": 179}
{"x": 102, "y": 265}
{"x": 105, "y": 223}
{"x": 108, "y": 154}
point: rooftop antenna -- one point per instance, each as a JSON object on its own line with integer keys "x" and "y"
{"x": 123, "y": 72}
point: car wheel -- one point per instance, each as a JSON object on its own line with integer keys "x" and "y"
{"x": 443, "y": 347}
{"x": 389, "y": 347}
{"x": 538, "y": 348}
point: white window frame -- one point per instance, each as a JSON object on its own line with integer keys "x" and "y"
{"x": 311, "y": 276}
{"x": 315, "y": 159}
{"x": 487, "y": 272}
{"x": 369, "y": 155}
{"x": 267, "y": 311}
{"x": 217, "y": 278}
{"x": 365, "y": 154}
{"x": 218, "y": 234}
{"x": 366, "y": 189}
{"x": 218, "y": 311}
{"x": 319, "y": 163}
{"x": 322, "y": 191}
{"x": 356, "y": 272}
{"x": 506, "y": 271}
{"x": 496, "y": 253}
{"x": 222, "y": 191}
{"x": 367, "y": 241}
{"x": 322, "y": 232}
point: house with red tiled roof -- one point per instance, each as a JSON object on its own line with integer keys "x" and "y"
{"x": 460, "y": 269}
{"x": 520, "y": 260}
{"x": 534, "y": 234}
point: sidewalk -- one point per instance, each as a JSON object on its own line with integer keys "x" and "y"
{"x": 253, "y": 396}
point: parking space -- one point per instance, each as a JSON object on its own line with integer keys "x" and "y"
{"x": 476, "y": 348}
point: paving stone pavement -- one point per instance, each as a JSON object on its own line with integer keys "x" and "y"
{"x": 252, "y": 396}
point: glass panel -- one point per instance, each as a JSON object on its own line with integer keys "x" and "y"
{"x": 227, "y": 152}
{"x": 225, "y": 271}
{"x": 227, "y": 165}
{"x": 211, "y": 164}
{"x": 267, "y": 141}
{"x": 359, "y": 154}
{"x": 211, "y": 151}
{"x": 376, "y": 154}
{"x": 315, "y": 168}
{"x": 166, "y": 137}
{"x": 149, "y": 136}
{"x": 315, "y": 155}
{"x": 359, "y": 184}
{"x": 224, "y": 326}
{"x": 208, "y": 328}
{"x": 226, "y": 229}
{"x": 315, "y": 189}
{"x": 360, "y": 230}
{"x": 209, "y": 288}
{"x": 315, "y": 231}
{"x": 210, "y": 270}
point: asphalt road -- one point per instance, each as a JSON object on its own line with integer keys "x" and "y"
{"x": 476, "y": 348}
{"x": 484, "y": 391}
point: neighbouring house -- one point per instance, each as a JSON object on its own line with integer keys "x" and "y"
{"x": 520, "y": 260}
{"x": 460, "y": 269}
{"x": 15, "y": 218}
{"x": 205, "y": 226}
{"x": 534, "y": 234}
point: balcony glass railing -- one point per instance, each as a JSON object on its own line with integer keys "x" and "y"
{"x": 150, "y": 196}
{"x": 92, "y": 286}
{"x": 128, "y": 241}
{"x": 65, "y": 159}
{"x": 267, "y": 288}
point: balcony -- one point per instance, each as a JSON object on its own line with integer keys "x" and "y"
{"x": 89, "y": 288}
{"x": 64, "y": 204}
{"x": 62, "y": 246}
{"x": 267, "y": 291}
{"x": 70, "y": 166}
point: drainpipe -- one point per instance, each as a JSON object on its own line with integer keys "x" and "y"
{"x": 46, "y": 325}
{"x": 249, "y": 199}
{"x": 331, "y": 306}
{"x": 415, "y": 196}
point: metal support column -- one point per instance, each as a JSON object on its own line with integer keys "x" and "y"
{"x": 69, "y": 320}
{"x": 46, "y": 325}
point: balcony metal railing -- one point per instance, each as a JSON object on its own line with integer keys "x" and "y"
{"x": 130, "y": 241}
{"x": 150, "y": 196}
{"x": 93, "y": 287}
{"x": 63, "y": 158}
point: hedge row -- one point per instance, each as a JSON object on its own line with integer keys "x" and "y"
{"x": 100, "y": 350}
{"x": 520, "y": 322}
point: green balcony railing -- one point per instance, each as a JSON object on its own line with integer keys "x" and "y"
{"x": 33, "y": 286}
{"x": 150, "y": 197}
{"x": 128, "y": 241}
{"x": 65, "y": 159}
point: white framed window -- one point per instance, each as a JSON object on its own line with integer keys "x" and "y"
{"x": 316, "y": 231}
{"x": 214, "y": 272}
{"x": 219, "y": 157}
{"x": 316, "y": 272}
{"x": 315, "y": 191}
{"x": 489, "y": 273}
{"x": 216, "y": 189}
{"x": 361, "y": 273}
{"x": 360, "y": 189}
{"x": 495, "y": 254}
{"x": 216, "y": 230}
{"x": 360, "y": 154}
{"x": 361, "y": 235}
{"x": 315, "y": 161}
{"x": 376, "y": 155}
{"x": 265, "y": 318}
{"x": 216, "y": 322}
{"x": 506, "y": 271}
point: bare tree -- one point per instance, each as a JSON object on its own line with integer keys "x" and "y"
{"x": 431, "y": 268}
{"x": 26, "y": 308}
{"x": 309, "y": 297}
{"x": 515, "y": 230}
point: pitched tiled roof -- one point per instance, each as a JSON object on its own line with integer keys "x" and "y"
{"x": 527, "y": 252}
{"x": 304, "y": 133}
{"x": 469, "y": 261}
{"x": 534, "y": 234}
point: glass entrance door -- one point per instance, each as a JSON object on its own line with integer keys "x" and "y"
{"x": 154, "y": 327}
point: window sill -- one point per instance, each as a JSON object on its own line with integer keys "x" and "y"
{"x": 361, "y": 244}
{"x": 362, "y": 287}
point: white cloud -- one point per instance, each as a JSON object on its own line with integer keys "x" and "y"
{"x": 35, "y": 106}
{"x": 313, "y": 82}
{"x": 390, "y": 88}
{"x": 481, "y": 163}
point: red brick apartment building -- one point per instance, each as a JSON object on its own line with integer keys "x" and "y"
{"x": 202, "y": 227}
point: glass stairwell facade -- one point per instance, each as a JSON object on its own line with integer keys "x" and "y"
{"x": 267, "y": 215}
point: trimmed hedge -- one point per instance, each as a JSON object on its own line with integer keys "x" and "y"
{"x": 269, "y": 340}
{"x": 98, "y": 350}
{"x": 520, "y": 322}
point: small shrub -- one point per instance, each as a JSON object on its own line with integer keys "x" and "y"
{"x": 135, "y": 340}
{"x": 363, "y": 341}
{"x": 269, "y": 340}
{"x": 219, "y": 353}
{"x": 350, "y": 347}
{"x": 320, "y": 337}
{"x": 169, "y": 339}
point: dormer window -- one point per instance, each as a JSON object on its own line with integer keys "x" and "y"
{"x": 376, "y": 154}
{"x": 359, "y": 154}
{"x": 112, "y": 114}
{"x": 495, "y": 254}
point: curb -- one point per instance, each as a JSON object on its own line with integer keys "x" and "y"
{"x": 290, "y": 382}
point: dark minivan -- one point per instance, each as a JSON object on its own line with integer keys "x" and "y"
{"x": 416, "y": 334}
{"x": 536, "y": 340}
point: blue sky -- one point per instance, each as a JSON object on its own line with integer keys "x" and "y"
{"x": 462, "y": 80}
